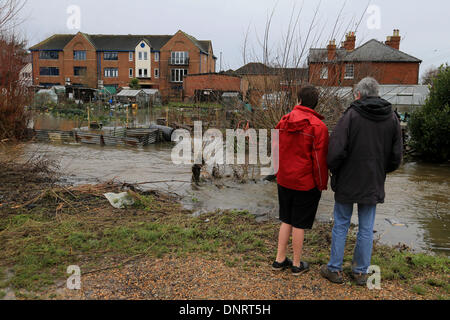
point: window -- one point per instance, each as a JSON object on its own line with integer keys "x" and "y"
{"x": 49, "y": 71}
{"x": 177, "y": 75}
{"x": 140, "y": 55}
{"x": 110, "y": 56}
{"x": 49, "y": 55}
{"x": 79, "y": 55}
{"x": 130, "y": 56}
{"x": 349, "y": 71}
{"x": 179, "y": 57}
{"x": 131, "y": 72}
{"x": 156, "y": 73}
{"x": 111, "y": 72}
{"x": 156, "y": 56}
{"x": 324, "y": 73}
{"x": 145, "y": 55}
{"x": 143, "y": 73}
{"x": 79, "y": 71}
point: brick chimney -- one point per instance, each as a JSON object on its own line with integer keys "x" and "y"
{"x": 394, "y": 41}
{"x": 331, "y": 50}
{"x": 350, "y": 41}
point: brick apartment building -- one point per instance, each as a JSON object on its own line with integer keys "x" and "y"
{"x": 347, "y": 65}
{"x": 111, "y": 61}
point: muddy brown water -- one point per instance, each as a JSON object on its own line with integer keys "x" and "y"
{"x": 416, "y": 211}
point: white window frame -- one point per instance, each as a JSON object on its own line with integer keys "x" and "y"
{"x": 324, "y": 73}
{"x": 145, "y": 55}
{"x": 145, "y": 73}
{"x": 130, "y": 56}
{"x": 156, "y": 73}
{"x": 349, "y": 72}
{"x": 177, "y": 75}
{"x": 156, "y": 56}
{"x": 179, "y": 57}
{"x": 111, "y": 72}
{"x": 140, "y": 55}
{"x": 130, "y": 72}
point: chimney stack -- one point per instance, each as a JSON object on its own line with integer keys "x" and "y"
{"x": 331, "y": 50}
{"x": 394, "y": 41}
{"x": 350, "y": 41}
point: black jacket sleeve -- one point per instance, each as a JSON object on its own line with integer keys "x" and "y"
{"x": 338, "y": 147}
{"x": 396, "y": 156}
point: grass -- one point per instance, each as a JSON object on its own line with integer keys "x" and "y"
{"x": 419, "y": 290}
{"x": 39, "y": 246}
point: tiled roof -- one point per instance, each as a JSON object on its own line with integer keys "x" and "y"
{"x": 255, "y": 68}
{"x": 115, "y": 42}
{"x": 55, "y": 42}
{"x": 371, "y": 51}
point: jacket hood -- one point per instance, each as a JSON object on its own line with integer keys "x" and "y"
{"x": 299, "y": 119}
{"x": 373, "y": 108}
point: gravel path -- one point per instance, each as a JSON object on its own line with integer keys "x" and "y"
{"x": 201, "y": 279}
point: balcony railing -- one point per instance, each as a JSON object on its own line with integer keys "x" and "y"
{"x": 179, "y": 62}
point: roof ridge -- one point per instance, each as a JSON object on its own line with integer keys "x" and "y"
{"x": 395, "y": 50}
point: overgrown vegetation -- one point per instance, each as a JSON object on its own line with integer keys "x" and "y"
{"x": 430, "y": 125}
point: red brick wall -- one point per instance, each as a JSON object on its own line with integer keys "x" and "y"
{"x": 38, "y": 63}
{"x": 217, "y": 82}
{"x": 180, "y": 42}
{"x": 385, "y": 73}
{"x": 122, "y": 64}
{"x": 79, "y": 42}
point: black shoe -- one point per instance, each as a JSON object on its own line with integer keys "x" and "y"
{"x": 282, "y": 266}
{"x": 304, "y": 267}
{"x": 335, "y": 277}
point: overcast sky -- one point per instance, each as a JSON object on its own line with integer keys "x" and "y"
{"x": 424, "y": 25}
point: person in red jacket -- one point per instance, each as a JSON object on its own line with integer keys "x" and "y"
{"x": 301, "y": 177}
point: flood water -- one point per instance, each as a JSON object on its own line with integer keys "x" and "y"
{"x": 417, "y": 195}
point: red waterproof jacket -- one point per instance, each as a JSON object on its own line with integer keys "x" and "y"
{"x": 303, "y": 148}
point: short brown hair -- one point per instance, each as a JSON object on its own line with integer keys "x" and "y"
{"x": 309, "y": 96}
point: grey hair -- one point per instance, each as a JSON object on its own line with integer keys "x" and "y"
{"x": 368, "y": 87}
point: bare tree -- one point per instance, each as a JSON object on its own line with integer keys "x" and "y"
{"x": 429, "y": 75}
{"x": 14, "y": 95}
{"x": 9, "y": 14}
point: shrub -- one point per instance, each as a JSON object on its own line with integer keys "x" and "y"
{"x": 430, "y": 125}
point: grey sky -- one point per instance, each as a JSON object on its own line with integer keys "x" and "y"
{"x": 424, "y": 25}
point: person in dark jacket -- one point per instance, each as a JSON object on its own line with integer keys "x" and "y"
{"x": 365, "y": 145}
{"x": 301, "y": 177}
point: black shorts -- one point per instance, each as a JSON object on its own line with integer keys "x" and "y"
{"x": 298, "y": 208}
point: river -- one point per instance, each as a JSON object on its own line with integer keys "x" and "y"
{"x": 416, "y": 211}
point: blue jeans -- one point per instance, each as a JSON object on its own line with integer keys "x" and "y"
{"x": 364, "y": 243}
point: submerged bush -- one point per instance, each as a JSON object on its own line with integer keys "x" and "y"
{"x": 430, "y": 125}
